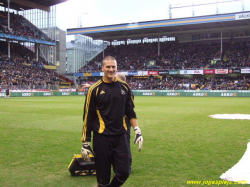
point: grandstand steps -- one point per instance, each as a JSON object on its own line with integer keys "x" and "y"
{"x": 95, "y": 55}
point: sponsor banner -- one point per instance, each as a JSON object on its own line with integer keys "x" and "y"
{"x": 234, "y": 70}
{"x": 142, "y": 73}
{"x": 221, "y": 71}
{"x": 79, "y": 74}
{"x": 87, "y": 74}
{"x": 47, "y": 94}
{"x": 124, "y": 73}
{"x": 209, "y": 71}
{"x": 191, "y": 72}
{"x": 153, "y": 73}
{"x": 199, "y": 94}
{"x": 174, "y": 72}
{"x": 26, "y": 94}
{"x": 164, "y": 72}
{"x": 242, "y": 16}
{"x": 198, "y": 71}
{"x": 81, "y": 93}
{"x": 102, "y": 74}
{"x": 192, "y": 93}
{"x": 245, "y": 70}
{"x": 228, "y": 94}
{"x": 132, "y": 73}
{"x": 66, "y": 93}
{"x": 148, "y": 93}
{"x": 184, "y": 72}
{"x": 97, "y": 74}
{"x": 173, "y": 94}
{"x": 50, "y": 67}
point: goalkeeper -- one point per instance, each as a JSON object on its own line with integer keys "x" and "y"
{"x": 108, "y": 101}
{"x": 123, "y": 78}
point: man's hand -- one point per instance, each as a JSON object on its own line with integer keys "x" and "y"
{"x": 86, "y": 151}
{"x": 138, "y": 138}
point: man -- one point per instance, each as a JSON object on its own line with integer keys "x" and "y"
{"x": 123, "y": 78}
{"x": 107, "y": 104}
{"x": 7, "y": 93}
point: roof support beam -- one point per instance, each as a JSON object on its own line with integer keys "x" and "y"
{"x": 31, "y": 4}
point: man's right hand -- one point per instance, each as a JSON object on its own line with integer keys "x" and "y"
{"x": 86, "y": 151}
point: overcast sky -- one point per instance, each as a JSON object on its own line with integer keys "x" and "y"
{"x": 108, "y": 12}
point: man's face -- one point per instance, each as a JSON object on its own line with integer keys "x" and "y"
{"x": 109, "y": 68}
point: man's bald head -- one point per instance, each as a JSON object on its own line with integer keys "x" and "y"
{"x": 120, "y": 76}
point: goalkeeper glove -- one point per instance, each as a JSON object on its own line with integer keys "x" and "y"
{"x": 86, "y": 151}
{"x": 138, "y": 138}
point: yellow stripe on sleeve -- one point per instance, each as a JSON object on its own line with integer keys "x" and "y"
{"x": 124, "y": 123}
{"x": 102, "y": 124}
{"x": 83, "y": 138}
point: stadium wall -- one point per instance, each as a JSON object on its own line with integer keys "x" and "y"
{"x": 193, "y": 93}
{"x": 169, "y": 93}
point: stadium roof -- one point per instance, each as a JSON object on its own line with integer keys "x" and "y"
{"x": 30, "y": 4}
{"x": 168, "y": 27}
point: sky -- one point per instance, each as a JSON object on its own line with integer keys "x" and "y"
{"x": 108, "y": 12}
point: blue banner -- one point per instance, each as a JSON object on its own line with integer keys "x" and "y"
{"x": 132, "y": 73}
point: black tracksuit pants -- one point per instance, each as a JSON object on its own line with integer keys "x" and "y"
{"x": 111, "y": 150}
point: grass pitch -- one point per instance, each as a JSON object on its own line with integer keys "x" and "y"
{"x": 39, "y": 136}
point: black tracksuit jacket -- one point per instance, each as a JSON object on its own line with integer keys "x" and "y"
{"x": 106, "y": 106}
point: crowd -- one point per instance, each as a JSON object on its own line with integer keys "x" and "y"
{"x": 174, "y": 55}
{"x": 19, "y": 26}
{"x": 184, "y": 83}
{"x": 21, "y": 71}
{"x": 19, "y": 52}
{"x": 17, "y": 75}
{"x": 236, "y": 55}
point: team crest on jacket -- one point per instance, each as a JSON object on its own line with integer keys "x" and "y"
{"x": 122, "y": 92}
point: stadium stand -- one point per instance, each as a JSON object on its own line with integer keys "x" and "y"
{"x": 179, "y": 56}
{"x": 174, "y": 56}
{"x": 19, "y": 26}
{"x": 21, "y": 68}
{"x": 23, "y": 71}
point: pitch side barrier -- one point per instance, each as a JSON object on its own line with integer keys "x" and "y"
{"x": 193, "y": 93}
{"x": 170, "y": 93}
{"x": 32, "y": 94}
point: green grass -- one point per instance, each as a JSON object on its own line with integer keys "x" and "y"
{"x": 39, "y": 136}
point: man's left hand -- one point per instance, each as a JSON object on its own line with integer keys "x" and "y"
{"x": 138, "y": 138}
